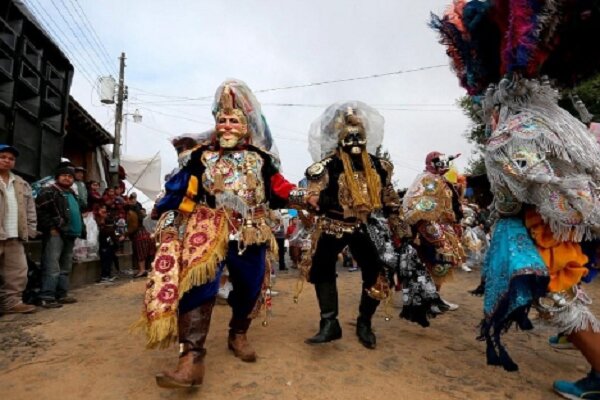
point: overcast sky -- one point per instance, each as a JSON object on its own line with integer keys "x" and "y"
{"x": 187, "y": 48}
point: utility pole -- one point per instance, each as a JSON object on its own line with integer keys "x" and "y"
{"x": 116, "y": 158}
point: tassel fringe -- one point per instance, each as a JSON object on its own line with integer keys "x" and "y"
{"x": 205, "y": 270}
{"x": 160, "y": 333}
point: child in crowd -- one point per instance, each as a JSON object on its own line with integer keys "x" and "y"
{"x": 94, "y": 198}
{"x": 107, "y": 241}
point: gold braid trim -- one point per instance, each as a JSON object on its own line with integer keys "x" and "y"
{"x": 373, "y": 183}
{"x": 257, "y": 232}
{"x": 373, "y": 180}
{"x": 357, "y": 198}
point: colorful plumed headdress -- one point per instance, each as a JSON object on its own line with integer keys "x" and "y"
{"x": 487, "y": 40}
{"x": 511, "y": 56}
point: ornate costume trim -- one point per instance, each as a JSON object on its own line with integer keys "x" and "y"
{"x": 419, "y": 294}
{"x": 544, "y": 156}
{"x": 429, "y": 199}
{"x": 306, "y": 262}
{"x": 568, "y": 311}
{"x": 204, "y": 247}
{"x": 565, "y": 260}
{"x": 317, "y": 170}
{"x": 337, "y": 228}
{"x": 236, "y": 173}
{"x": 187, "y": 205}
{"x": 361, "y": 202}
{"x": 298, "y": 197}
{"x": 256, "y": 231}
{"x": 399, "y": 228}
{"x": 264, "y": 301}
{"x": 159, "y": 319}
{"x": 192, "y": 189}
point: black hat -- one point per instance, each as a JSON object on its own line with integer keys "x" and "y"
{"x": 80, "y": 169}
{"x": 64, "y": 169}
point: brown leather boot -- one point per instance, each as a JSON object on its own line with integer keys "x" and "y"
{"x": 238, "y": 342}
{"x": 193, "y": 329}
{"x": 189, "y": 371}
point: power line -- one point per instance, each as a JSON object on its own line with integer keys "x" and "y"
{"x": 374, "y": 105}
{"x": 178, "y": 111}
{"x": 358, "y": 78}
{"x": 95, "y": 35}
{"x": 177, "y": 116}
{"x": 173, "y": 103}
{"x": 93, "y": 47}
{"x": 98, "y": 69}
{"x": 53, "y": 32}
{"x": 149, "y": 93}
{"x": 391, "y": 107}
{"x": 320, "y": 83}
{"x": 419, "y": 109}
{"x": 165, "y": 133}
{"x": 299, "y": 138}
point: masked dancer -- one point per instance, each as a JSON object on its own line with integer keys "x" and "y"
{"x": 345, "y": 186}
{"x": 543, "y": 165}
{"x": 432, "y": 207}
{"x": 215, "y": 211}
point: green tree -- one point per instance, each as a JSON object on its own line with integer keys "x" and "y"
{"x": 589, "y": 92}
{"x": 475, "y": 135}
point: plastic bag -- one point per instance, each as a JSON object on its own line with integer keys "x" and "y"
{"x": 87, "y": 250}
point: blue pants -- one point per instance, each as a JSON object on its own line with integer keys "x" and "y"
{"x": 246, "y": 274}
{"x": 57, "y": 263}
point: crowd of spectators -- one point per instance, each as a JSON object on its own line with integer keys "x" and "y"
{"x": 65, "y": 212}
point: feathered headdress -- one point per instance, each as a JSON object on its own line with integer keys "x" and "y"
{"x": 489, "y": 39}
{"x": 537, "y": 153}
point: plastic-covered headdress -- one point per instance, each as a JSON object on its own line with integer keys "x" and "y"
{"x": 337, "y": 121}
{"x": 234, "y": 94}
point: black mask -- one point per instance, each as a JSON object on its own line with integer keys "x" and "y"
{"x": 354, "y": 143}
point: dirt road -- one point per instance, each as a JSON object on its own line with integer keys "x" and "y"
{"x": 84, "y": 350}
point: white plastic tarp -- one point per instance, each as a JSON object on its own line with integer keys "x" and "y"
{"x": 143, "y": 173}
